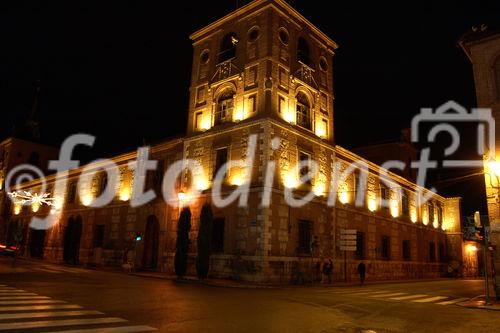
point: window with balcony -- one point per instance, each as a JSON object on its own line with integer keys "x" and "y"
{"x": 225, "y": 106}
{"x": 228, "y": 47}
{"x": 303, "y": 55}
{"x": 303, "y": 111}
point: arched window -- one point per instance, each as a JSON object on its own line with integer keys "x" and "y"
{"x": 228, "y": 47}
{"x": 496, "y": 72}
{"x": 303, "y": 52}
{"x": 225, "y": 104}
{"x": 303, "y": 111}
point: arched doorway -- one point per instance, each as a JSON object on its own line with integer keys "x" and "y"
{"x": 37, "y": 243}
{"x": 151, "y": 242}
{"x": 72, "y": 235}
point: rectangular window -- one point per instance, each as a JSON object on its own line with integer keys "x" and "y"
{"x": 406, "y": 250}
{"x": 441, "y": 252}
{"x": 72, "y": 192}
{"x": 360, "y": 245}
{"x": 385, "y": 250}
{"x": 198, "y": 120}
{"x": 103, "y": 183}
{"x": 305, "y": 159}
{"x": 440, "y": 214}
{"x": 431, "y": 213}
{"x": 405, "y": 205}
{"x": 304, "y": 237}
{"x": 251, "y": 104}
{"x": 432, "y": 251}
{"x": 220, "y": 160}
{"x": 384, "y": 196}
{"x": 224, "y": 110}
{"x": 218, "y": 227}
{"x": 324, "y": 123}
{"x": 99, "y": 235}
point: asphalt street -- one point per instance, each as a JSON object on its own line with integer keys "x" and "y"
{"x": 42, "y": 297}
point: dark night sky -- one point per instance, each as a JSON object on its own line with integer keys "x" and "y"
{"x": 121, "y": 71}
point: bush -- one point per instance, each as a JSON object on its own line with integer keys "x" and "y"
{"x": 182, "y": 244}
{"x": 203, "y": 241}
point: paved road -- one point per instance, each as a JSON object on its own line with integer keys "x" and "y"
{"x": 41, "y": 297}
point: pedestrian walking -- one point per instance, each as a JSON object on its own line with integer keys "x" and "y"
{"x": 362, "y": 272}
{"x": 328, "y": 270}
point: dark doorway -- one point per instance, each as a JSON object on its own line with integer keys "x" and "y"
{"x": 151, "y": 242}
{"x": 37, "y": 242}
{"x": 72, "y": 236}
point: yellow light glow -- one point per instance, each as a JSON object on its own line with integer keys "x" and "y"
{"x": 321, "y": 130}
{"x": 343, "y": 197}
{"x": 35, "y": 206}
{"x": 237, "y": 179}
{"x": 201, "y": 183}
{"x": 435, "y": 224}
{"x": 124, "y": 194}
{"x": 443, "y": 226}
{"x": 319, "y": 189}
{"x": 413, "y": 215}
{"x": 181, "y": 196}
{"x": 58, "y": 203}
{"x": 87, "y": 199}
{"x": 17, "y": 209}
{"x": 290, "y": 181}
{"x": 394, "y": 208}
{"x": 372, "y": 204}
{"x": 238, "y": 114}
{"x": 494, "y": 167}
{"x": 205, "y": 123}
{"x": 470, "y": 248}
{"x": 288, "y": 115}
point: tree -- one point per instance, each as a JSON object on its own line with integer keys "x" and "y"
{"x": 182, "y": 244}
{"x": 203, "y": 241}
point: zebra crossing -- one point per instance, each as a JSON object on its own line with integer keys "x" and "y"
{"x": 392, "y": 295}
{"x": 21, "y": 310}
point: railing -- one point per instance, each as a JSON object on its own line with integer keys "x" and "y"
{"x": 224, "y": 70}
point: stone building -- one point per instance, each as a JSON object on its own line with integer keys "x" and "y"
{"x": 265, "y": 72}
{"x": 482, "y": 47}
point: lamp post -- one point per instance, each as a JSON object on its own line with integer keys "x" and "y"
{"x": 494, "y": 176}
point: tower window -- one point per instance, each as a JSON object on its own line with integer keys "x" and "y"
{"x": 303, "y": 52}
{"x": 251, "y": 103}
{"x": 283, "y": 36}
{"x": 305, "y": 169}
{"x": 303, "y": 111}
{"x": 218, "y": 235}
{"x": 253, "y": 34}
{"x": 323, "y": 64}
{"x": 228, "y": 47}
{"x": 204, "y": 57}
{"x": 225, "y": 105}
{"x": 431, "y": 213}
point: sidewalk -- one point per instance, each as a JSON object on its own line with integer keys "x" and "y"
{"x": 479, "y": 303}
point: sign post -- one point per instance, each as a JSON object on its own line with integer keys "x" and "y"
{"x": 347, "y": 243}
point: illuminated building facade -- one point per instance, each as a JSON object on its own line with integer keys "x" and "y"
{"x": 263, "y": 70}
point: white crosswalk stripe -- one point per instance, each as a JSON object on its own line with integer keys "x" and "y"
{"x": 395, "y": 295}
{"x": 4, "y": 316}
{"x": 430, "y": 299}
{"x": 21, "y": 311}
{"x": 453, "y": 301}
{"x": 405, "y": 298}
{"x": 123, "y": 329}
